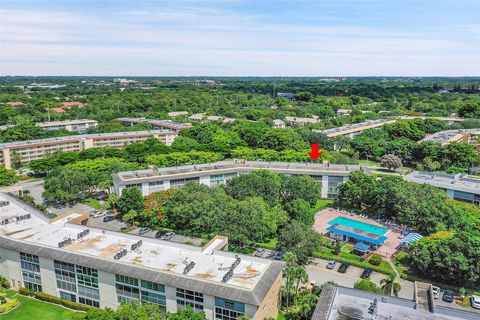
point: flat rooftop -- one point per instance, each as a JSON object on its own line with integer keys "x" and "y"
{"x": 460, "y": 182}
{"x": 447, "y": 136}
{"x": 155, "y": 122}
{"x": 339, "y": 303}
{"x": 55, "y": 123}
{"x": 355, "y": 127}
{"x": 85, "y": 136}
{"x": 219, "y": 167}
{"x": 163, "y": 256}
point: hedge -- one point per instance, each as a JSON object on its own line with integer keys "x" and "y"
{"x": 9, "y": 305}
{"x": 375, "y": 260}
{"x": 26, "y": 292}
{"x": 66, "y": 303}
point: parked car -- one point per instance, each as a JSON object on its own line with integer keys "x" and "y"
{"x": 159, "y": 234}
{"x": 436, "y": 292}
{"x": 169, "y": 235}
{"x": 343, "y": 267}
{"x": 143, "y": 230}
{"x": 278, "y": 255}
{"x": 448, "y": 296}
{"x": 475, "y": 302}
{"x": 259, "y": 252}
{"x": 366, "y": 273}
{"x": 108, "y": 218}
{"x": 331, "y": 264}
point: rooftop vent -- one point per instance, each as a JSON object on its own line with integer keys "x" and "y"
{"x": 120, "y": 254}
{"x": 227, "y": 276}
{"x": 189, "y": 267}
{"x": 83, "y": 234}
{"x": 65, "y": 242}
{"x": 24, "y": 217}
{"x": 136, "y": 245}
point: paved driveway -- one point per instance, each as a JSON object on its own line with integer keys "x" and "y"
{"x": 318, "y": 272}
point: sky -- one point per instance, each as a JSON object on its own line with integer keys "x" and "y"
{"x": 240, "y": 38}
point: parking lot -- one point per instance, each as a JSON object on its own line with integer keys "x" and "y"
{"x": 318, "y": 272}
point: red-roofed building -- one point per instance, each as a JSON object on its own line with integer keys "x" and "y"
{"x": 14, "y": 103}
{"x": 58, "y": 110}
{"x": 72, "y": 104}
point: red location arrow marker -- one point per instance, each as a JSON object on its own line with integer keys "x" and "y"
{"x": 314, "y": 154}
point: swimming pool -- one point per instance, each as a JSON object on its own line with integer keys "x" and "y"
{"x": 366, "y": 227}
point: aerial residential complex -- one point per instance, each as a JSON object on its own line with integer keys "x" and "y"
{"x": 157, "y": 179}
{"x": 162, "y": 125}
{"x": 78, "y": 125}
{"x": 460, "y": 186}
{"x": 26, "y": 151}
{"x": 100, "y": 268}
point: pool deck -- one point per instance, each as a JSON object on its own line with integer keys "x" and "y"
{"x": 323, "y": 217}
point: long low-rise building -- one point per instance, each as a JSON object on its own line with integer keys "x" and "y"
{"x": 158, "y": 179}
{"x": 77, "y": 125}
{"x": 65, "y": 258}
{"x": 163, "y": 125}
{"x": 460, "y": 186}
{"x": 23, "y": 152}
{"x": 471, "y": 136}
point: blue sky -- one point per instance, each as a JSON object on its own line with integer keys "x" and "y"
{"x": 240, "y": 38}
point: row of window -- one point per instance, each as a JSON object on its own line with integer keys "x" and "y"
{"x": 30, "y": 266}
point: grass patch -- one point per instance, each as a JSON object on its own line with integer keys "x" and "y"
{"x": 281, "y": 315}
{"x": 322, "y": 204}
{"x": 369, "y": 163}
{"x": 272, "y": 244}
{"x": 346, "y": 255}
{"x": 31, "y": 308}
{"x": 94, "y": 203}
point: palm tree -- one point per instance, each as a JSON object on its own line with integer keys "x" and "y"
{"x": 300, "y": 276}
{"x": 389, "y": 285}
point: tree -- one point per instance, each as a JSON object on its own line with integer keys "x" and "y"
{"x": 131, "y": 199}
{"x": 4, "y": 283}
{"x": 130, "y": 217}
{"x": 391, "y": 161}
{"x": 24, "y": 130}
{"x": 282, "y": 139}
{"x": 300, "y": 187}
{"x": 67, "y": 186}
{"x": 389, "y": 286}
{"x": 258, "y": 183}
{"x": 306, "y": 303}
{"x": 300, "y": 239}
{"x": 367, "y": 285}
{"x": 186, "y": 314}
{"x": 7, "y": 177}
{"x": 470, "y": 109}
{"x": 300, "y": 210}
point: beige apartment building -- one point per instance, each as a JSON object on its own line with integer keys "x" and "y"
{"x": 26, "y": 151}
{"x": 101, "y": 268}
{"x": 76, "y": 125}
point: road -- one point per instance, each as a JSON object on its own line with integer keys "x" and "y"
{"x": 318, "y": 273}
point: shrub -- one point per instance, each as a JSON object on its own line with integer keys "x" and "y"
{"x": 26, "y": 292}
{"x": 75, "y": 305}
{"x": 47, "y": 297}
{"x": 367, "y": 285}
{"x": 66, "y": 303}
{"x": 4, "y": 283}
{"x": 375, "y": 260}
{"x": 9, "y": 305}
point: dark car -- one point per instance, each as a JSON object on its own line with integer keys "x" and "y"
{"x": 159, "y": 234}
{"x": 143, "y": 230}
{"x": 278, "y": 255}
{"x": 108, "y": 218}
{"x": 343, "y": 267}
{"x": 169, "y": 235}
{"x": 366, "y": 273}
{"x": 448, "y": 296}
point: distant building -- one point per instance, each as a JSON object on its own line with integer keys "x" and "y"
{"x": 162, "y": 125}
{"x": 77, "y": 125}
{"x": 461, "y": 186}
{"x": 197, "y": 116}
{"x": 29, "y": 150}
{"x": 352, "y": 130}
{"x": 279, "y": 124}
{"x": 57, "y": 110}
{"x": 102, "y": 268}
{"x": 287, "y": 95}
{"x": 463, "y": 135}
{"x": 343, "y": 112}
{"x": 14, "y": 103}
{"x": 158, "y": 179}
{"x": 175, "y": 114}
{"x": 340, "y": 303}
{"x": 71, "y": 104}
{"x": 296, "y": 121}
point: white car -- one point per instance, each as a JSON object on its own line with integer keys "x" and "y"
{"x": 475, "y": 302}
{"x": 436, "y": 292}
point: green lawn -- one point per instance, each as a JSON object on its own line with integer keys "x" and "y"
{"x": 94, "y": 203}
{"x": 369, "y": 163}
{"x": 272, "y": 244}
{"x": 30, "y": 308}
{"x": 322, "y": 204}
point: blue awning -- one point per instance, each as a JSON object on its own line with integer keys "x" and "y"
{"x": 379, "y": 241}
{"x": 361, "y": 246}
{"x": 411, "y": 238}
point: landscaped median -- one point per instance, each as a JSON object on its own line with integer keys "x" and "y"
{"x": 345, "y": 255}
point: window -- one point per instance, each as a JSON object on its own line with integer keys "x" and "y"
{"x": 150, "y": 297}
{"x": 216, "y": 179}
{"x": 66, "y": 286}
{"x": 87, "y": 276}
{"x": 228, "y": 310}
{"x": 180, "y": 182}
{"x": 68, "y": 296}
{"x": 32, "y": 286}
{"x": 89, "y": 302}
{"x": 333, "y": 183}
{"x": 30, "y": 266}
{"x": 126, "y": 280}
{"x": 152, "y": 286}
{"x": 189, "y": 298}
{"x": 88, "y": 292}
{"x": 127, "y": 291}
